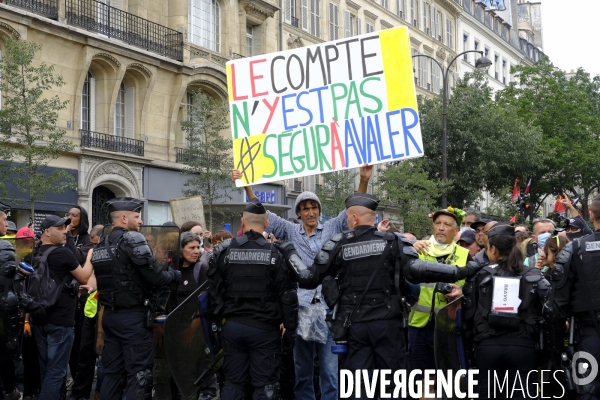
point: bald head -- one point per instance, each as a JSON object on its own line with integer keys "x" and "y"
{"x": 359, "y": 215}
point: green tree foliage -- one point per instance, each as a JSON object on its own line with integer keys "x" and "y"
{"x": 567, "y": 111}
{"x": 337, "y": 186}
{"x": 489, "y": 145}
{"x": 405, "y": 186}
{"x": 29, "y": 136}
{"x": 208, "y": 158}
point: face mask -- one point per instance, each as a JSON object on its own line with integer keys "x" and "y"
{"x": 575, "y": 235}
{"x": 542, "y": 240}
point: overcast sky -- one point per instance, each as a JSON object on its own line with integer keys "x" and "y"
{"x": 570, "y": 30}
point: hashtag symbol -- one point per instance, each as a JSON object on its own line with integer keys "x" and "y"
{"x": 247, "y": 153}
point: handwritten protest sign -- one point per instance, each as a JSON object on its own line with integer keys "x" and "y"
{"x": 187, "y": 209}
{"x": 322, "y": 108}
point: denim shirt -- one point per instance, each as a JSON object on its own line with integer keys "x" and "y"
{"x": 307, "y": 246}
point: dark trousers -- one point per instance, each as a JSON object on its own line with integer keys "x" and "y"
{"x": 252, "y": 356}
{"x": 376, "y": 344}
{"x": 79, "y": 320}
{"x": 32, "y": 382}
{"x": 506, "y": 360}
{"x": 7, "y": 371}
{"x": 84, "y": 378}
{"x": 591, "y": 345}
{"x": 127, "y": 356}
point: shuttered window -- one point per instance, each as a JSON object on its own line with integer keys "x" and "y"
{"x": 333, "y": 21}
{"x": 88, "y": 103}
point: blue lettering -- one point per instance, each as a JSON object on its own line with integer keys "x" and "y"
{"x": 371, "y": 139}
{"x": 350, "y": 142}
{"x": 393, "y": 133}
{"x": 310, "y": 116}
{"x": 406, "y": 130}
{"x": 318, "y": 90}
{"x": 286, "y": 111}
{"x": 383, "y": 155}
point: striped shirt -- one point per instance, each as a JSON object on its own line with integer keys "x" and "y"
{"x": 307, "y": 246}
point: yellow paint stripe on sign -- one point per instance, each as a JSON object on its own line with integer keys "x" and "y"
{"x": 229, "y": 85}
{"x": 397, "y": 68}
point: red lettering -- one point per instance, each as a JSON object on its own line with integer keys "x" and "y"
{"x": 235, "y": 96}
{"x": 253, "y": 78}
{"x": 272, "y": 109}
{"x": 336, "y": 144}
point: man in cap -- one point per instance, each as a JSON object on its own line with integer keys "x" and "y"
{"x": 127, "y": 276}
{"x": 440, "y": 248}
{"x": 13, "y": 299}
{"x": 308, "y": 236}
{"x": 251, "y": 289}
{"x": 481, "y": 229}
{"x": 467, "y": 240}
{"x": 371, "y": 268}
{"x": 54, "y": 333}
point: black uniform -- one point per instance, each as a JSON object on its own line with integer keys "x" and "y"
{"x": 575, "y": 279}
{"x": 251, "y": 289}
{"x": 127, "y": 275}
{"x": 505, "y": 343}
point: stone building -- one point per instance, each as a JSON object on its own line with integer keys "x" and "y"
{"x": 129, "y": 68}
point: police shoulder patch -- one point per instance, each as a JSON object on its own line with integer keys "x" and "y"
{"x": 336, "y": 238}
{"x": 592, "y": 246}
{"x": 249, "y": 256}
{"x": 363, "y": 249}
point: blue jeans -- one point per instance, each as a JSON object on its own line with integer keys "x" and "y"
{"x": 54, "y": 345}
{"x": 304, "y": 359}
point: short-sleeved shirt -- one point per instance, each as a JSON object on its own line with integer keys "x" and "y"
{"x": 61, "y": 262}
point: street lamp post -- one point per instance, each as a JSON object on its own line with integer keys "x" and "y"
{"x": 481, "y": 62}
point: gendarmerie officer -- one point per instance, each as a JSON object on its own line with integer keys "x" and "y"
{"x": 381, "y": 261}
{"x": 251, "y": 288}
{"x": 11, "y": 299}
{"x": 127, "y": 276}
{"x": 503, "y": 308}
{"x": 575, "y": 279}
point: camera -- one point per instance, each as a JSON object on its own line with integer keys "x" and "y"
{"x": 444, "y": 288}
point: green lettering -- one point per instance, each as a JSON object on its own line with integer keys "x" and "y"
{"x": 353, "y": 99}
{"x": 270, "y": 156}
{"x": 320, "y": 145}
{"x": 314, "y": 149}
{"x": 336, "y": 98}
{"x": 370, "y": 96}
{"x": 245, "y": 121}
{"x": 300, "y": 159}
{"x": 282, "y": 154}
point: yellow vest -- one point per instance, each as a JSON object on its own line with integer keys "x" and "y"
{"x": 421, "y": 312}
{"x": 91, "y": 305}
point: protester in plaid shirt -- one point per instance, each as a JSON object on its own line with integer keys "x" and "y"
{"x": 307, "y": 237}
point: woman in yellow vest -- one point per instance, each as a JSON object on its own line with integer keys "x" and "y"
{"x": 441, "y": 248}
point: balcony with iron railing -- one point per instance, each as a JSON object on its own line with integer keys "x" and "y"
{"x": 95, "y": 16}
{"x": 186, "y": 155}
{"x": 47, "y": 8}
{"x": 117, "y": 144}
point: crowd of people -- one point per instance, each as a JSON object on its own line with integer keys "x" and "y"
{"x": 293, "y": 301}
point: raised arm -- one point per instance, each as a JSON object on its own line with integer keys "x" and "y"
{"x": 235, "y": 175}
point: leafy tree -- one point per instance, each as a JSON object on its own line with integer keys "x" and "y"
{"x": 488, "y": 144}
{"x": 337, "y": 186}
{"x": 567, "y": 111}
{"x": 208, "y": 159}
{"x": 29, "y": 136}
{"x": 406, "y": 187}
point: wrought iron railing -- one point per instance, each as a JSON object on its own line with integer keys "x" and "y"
{"x": 98, "y": 17}
{"x": 186, "y": 155}
{"x": 47, "y": 8}
{"x": 113, "y": 143}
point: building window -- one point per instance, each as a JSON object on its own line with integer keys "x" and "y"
{"x": 315, "y": 18}
{"x": 349, "y": 21}
{"x": 497, "y": 66}
{"x": 249, "y": 41}
{"x": 369, "y": 27}
{"x": 334, "y": 24}
{"x": 88, "y": 103}
{"x": 476, "y": 45}
{"x": 385, "y": 4}
{"x": 504, "y": 72}
{"x": 425, "y": 21}
{"x": 125, "y": 111}
{"x": 435, "y": 77}
{"x": 465, "y": 46}
{"x": 204, "y": 24}
{"x": 438, "y": 26}
{"x": 449, "y": 34}
{"x": 413, "y": 12}
{"x": 424, "y": 74}
{"x": 400, "y": 8}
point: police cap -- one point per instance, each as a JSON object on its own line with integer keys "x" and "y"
{"x": 363, "y": 200}
{"x": 254, "y": 206}
{"x": 506, "y": 228}
{"x": 4, "y": 208}
{"x": 125, "y": 204}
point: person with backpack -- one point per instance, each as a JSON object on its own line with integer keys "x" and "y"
{"x": 127, "y": 278}
{"x": 54, "y": 284}
{"x": 504, "y": 310}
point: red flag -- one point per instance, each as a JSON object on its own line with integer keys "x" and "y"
{"x": 560, "y": 207}
{"x": 516, "y": 191}
{"x": 528, "y": 187}
{"x": 514, "y": 219}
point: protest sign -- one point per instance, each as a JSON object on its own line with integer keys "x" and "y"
{"x": 322, "y": 108}
{"x": 187, "y": 209}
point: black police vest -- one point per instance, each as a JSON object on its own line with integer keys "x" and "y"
{"x": 360, "y": 256}
{"x": 249, "y": 270}
{"x": 488, "y": 323}
{"x": 586, "y": 293}
{"x": 115, "y": 289}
